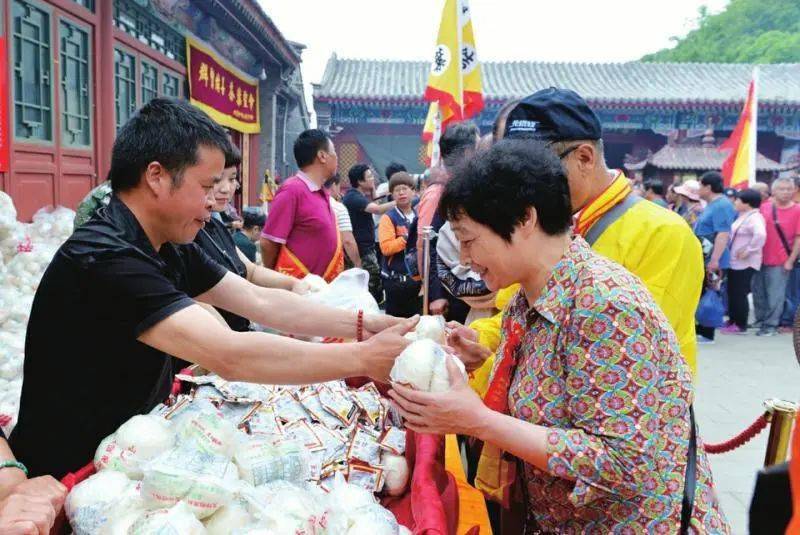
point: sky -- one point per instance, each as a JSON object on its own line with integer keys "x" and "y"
{"x": 505, "y": 30}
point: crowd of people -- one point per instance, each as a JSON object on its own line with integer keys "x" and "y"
{"x": 569, "y": 290}
{"x": 751, "y": 244}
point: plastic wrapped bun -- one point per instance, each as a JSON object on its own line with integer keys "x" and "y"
{"x": 137, "y": 441}
{"x": 88, "y": 505}
{"x": 262, "y": 459}
{"x": 234, "y": 515}
{"x": 177, "y": 519}
{"x": 208, "y": 431}
{"x": 110, "y": 456}
{"x": 283, "y": 507}
{"x": 414, "y": 366}
{"x": 346, "y": 497}
{"x": 121, "y": 525}
{"x": 423, "y": 366}
{"x": 402, "y": 530}
{"x": 395, "y": 472}
{"x": 146, "y": 435}
{"x": 206, "y": 482}
{"x": 369, "y": 519}
{"x": 431, "y": 328}
{"x": 440, "y": 381}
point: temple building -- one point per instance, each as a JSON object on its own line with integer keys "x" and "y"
{"x": 376, "y": 112}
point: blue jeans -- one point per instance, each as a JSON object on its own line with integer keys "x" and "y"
{"x": 792, "y": 297}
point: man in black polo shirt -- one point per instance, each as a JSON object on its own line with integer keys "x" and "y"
{"x": 361, "y": 209}
{"x": 119, "y": 298}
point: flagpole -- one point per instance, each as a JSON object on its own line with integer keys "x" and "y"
{"x": 460, "y": 43}
{"x": 751, "y": 179}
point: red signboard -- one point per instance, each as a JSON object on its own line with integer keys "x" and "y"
{"x": 222, "y": 91}
{"x": 5, "y": 133}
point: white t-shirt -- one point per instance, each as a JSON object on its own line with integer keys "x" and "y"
{"x": 342, "y": 216}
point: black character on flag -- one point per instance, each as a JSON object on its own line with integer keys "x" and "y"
{"x": 439, "y": 60}
{"x": 467, "y": 58}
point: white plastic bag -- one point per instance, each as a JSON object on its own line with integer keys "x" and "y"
{"x": 348, "y": 291}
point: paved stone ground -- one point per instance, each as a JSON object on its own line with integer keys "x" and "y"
{"x": 736, "y": 375}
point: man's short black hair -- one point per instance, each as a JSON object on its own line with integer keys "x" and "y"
{"x": 356, "y": 173}
{"x": 167, "y": 131}
{"x": 456, "y": 141}
{"x": 308, "y": 144}
{"x": 253, "y": 217}
{"x": 233, "y": 158}
{"x": 394, "y": 167}
{"x": 750, "y": 197}
{"x": 496, "y": 188}
{"x": 714, "y": 180}
{"x": 656, "y": 186}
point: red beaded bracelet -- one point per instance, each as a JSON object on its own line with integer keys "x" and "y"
{"x": 360, "y": 326}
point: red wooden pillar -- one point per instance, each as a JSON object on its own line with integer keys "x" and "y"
{"x": 256, "y": 175}
{"x": 104, "y": 96}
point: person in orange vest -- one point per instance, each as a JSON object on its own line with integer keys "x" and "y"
{"x": 301, "y": 235}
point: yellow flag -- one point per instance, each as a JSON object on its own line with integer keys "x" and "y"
{"x": 455, "y": 76}
{"x": 472, "y": 87}
{"x": 430, "y": 121}
{"x": 431, "y": 134}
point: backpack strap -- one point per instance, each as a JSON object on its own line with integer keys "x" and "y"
{"x": 610, "y": 217}
{"x": 778, "y": 228}
{"x": 690, "y": 478}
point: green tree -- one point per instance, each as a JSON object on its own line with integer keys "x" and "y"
{"x": 747, "y": 31}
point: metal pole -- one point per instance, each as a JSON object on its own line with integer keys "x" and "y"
{"x": 427, "y": 234}
{"x": 780, "y": 430}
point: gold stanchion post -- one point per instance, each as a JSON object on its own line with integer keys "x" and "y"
{"x": 780, "y": 430}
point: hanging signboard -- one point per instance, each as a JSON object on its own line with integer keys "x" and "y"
{"x": 226, "y": 94}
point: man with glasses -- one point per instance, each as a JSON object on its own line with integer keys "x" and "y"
{"x": 650, "y": 241}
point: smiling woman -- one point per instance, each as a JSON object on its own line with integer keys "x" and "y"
{"x": 589, "y": 392}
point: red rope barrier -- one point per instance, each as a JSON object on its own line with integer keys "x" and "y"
{"x": 745, "y": 436}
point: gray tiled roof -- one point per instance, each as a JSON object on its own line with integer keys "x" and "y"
{"x": 702, "y": 158}
{"x": 665, "y": 83}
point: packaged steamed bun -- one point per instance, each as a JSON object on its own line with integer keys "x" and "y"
{"x": 140, "y": 439}
{"x": 102, "y": 496}
{"x": 178, "y": 519}
{"x": 206, "y": 482}
{"x": 423, "y": 366}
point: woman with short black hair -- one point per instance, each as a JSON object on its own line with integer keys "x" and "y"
{"x": 748, "y": 234}
{"x": 216, "y": 240}
{"x": 589, "y": 393}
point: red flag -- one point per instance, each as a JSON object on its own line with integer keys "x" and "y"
{"x": 739, "y": 168}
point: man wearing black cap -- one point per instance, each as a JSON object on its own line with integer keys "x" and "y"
{"x": 653, "y": 243}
